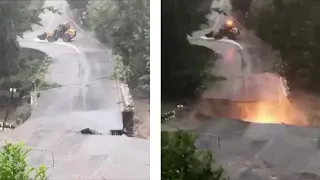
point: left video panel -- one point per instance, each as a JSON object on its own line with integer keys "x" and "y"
{"x": 75, "y": 82}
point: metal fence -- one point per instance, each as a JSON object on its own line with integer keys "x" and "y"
{"x": 38, "y": 157}
{"x": 209, "y": 142}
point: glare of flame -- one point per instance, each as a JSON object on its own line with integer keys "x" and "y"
{"x": 229, "y": 55}
{"x": 271, "y": 113}
{"x": 265, "y": 112}
{"x": 229, "y": 22}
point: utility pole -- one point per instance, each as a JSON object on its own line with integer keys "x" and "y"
{"x": 12, "y": 90}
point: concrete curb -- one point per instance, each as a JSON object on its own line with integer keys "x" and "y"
{"x": 127, "y": 107}
{"x": 126, "y": 97}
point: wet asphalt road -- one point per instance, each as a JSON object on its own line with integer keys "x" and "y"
{"x": 81, "y": 68}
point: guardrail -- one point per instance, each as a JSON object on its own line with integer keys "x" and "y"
{"x": 176, "y": 113}
{"x": 127, "y": 107}
{"x": 208, "y": 142}
{"x": 168, "y": 116}
{"x": 127, "y": 102}
{"x": 6, "y": 126}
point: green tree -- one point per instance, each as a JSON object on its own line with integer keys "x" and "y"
{"x": 13, "y": 164}
{"x": 239, "y": 9}
{"x": 294, "y": 35}
{"x": 183, "y": 66}
{"x": 180, "y": 160}
{"x": 77, "y": 4}
{"x": 15, "y": 19}
{"x": 126, "y": 24}
{"x": 240, "y": 5}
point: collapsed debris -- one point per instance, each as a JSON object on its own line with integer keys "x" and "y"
{"x": 94, "y": 132}
{"x": 90, "y": 131}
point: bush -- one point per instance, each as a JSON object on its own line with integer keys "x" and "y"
{"x": 77, "y": 4}
{"x": 23, "y": 112}
{"x": 125, "y": 23}
{"x": 180, "y": 160}
{"x": 23, "y": 18}
{"x": 294, "y": 36}
{"x": 241, "y": 5}
{"x": 13, "y": 164}
{"x": 183, "y": 65}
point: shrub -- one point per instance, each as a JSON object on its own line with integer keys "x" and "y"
{"x": 180, "y": 160}
{"x": 13, "y": 164}
{"x": 23, "y": 112}
{"x": 125, "y": 23}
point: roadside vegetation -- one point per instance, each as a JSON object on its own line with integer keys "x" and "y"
{"x": 20, "y": 68}
{"x": 180, "y": 159}
{"x": 127, "y": 25}
{"x": 186, "y": 69}
{"x": 295, "y": 36}
{"x": 14, "y": 166}
{"x": 183, "y": 66}
{"x": 295, "y": 40}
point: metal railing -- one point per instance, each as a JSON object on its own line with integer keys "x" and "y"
{"x": 37, "y": 157}
{"x": 208, "y": 142}
{"x": 6, "y": 126}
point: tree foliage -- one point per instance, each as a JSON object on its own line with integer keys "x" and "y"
{"x": 183, "y": 66}
{"x": 26, "y": 70}
{"x": 180, "y": 160}
{"x": 13, "y": 164}
{"x": 294, "y": 35}
{"x": 77, "y": 4}
{"x": 126, "y": 24}
{"x": 240, "y": 5}
{"x": 15, "y": 19}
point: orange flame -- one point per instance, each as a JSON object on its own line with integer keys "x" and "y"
{"x": 229, "y": 22}
{"x": 270, "y": 112}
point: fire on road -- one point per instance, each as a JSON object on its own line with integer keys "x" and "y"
{"x": 260, "y": 99}
{"x": 270, "y": 112}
